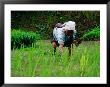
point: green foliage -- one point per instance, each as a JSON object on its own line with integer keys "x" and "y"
{"x": 22, "y": 39}
{"x": 93, "y": 34}
{"x": 43, "y": 22}
{"x": 41, "y": 30}
{"x": 38, "y": 61}
{"x": 83, "y": 62}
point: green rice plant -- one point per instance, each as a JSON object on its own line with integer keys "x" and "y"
{"x": 38, "y": 61}
{"x": 94, "y": 34}
{"x": 22, "y": 39}
{"x": 83, "y": 62}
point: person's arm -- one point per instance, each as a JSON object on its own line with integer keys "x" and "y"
{"x": 61, "y": 39}
{"x": 54, "y": 32}
{"x": 74, "y": 34}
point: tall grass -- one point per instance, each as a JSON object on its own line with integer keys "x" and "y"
{"x": 38, "y": 61}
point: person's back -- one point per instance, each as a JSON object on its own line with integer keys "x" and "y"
{"x": 59, "y": 35}
{"x": 64, "y": 33}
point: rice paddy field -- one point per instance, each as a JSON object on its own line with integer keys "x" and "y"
{"x": 39, "y": 61}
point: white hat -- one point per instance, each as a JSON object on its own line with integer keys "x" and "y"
{"x": 70, "y": 25}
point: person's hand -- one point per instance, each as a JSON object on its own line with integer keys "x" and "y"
{"x": 54, "y": 44}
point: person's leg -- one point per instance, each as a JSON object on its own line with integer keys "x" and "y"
{"x": 61, "y": 48}
{"x": 61, "y": 43}
{"x": 54, "y": 46}
{"x": 54, "y": 51}
{"x": 69, "y": 49}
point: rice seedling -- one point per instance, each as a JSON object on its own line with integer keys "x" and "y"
{"x": 38, "y": 61}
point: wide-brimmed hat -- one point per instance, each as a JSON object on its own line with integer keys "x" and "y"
{"x": 70, "y": 25}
